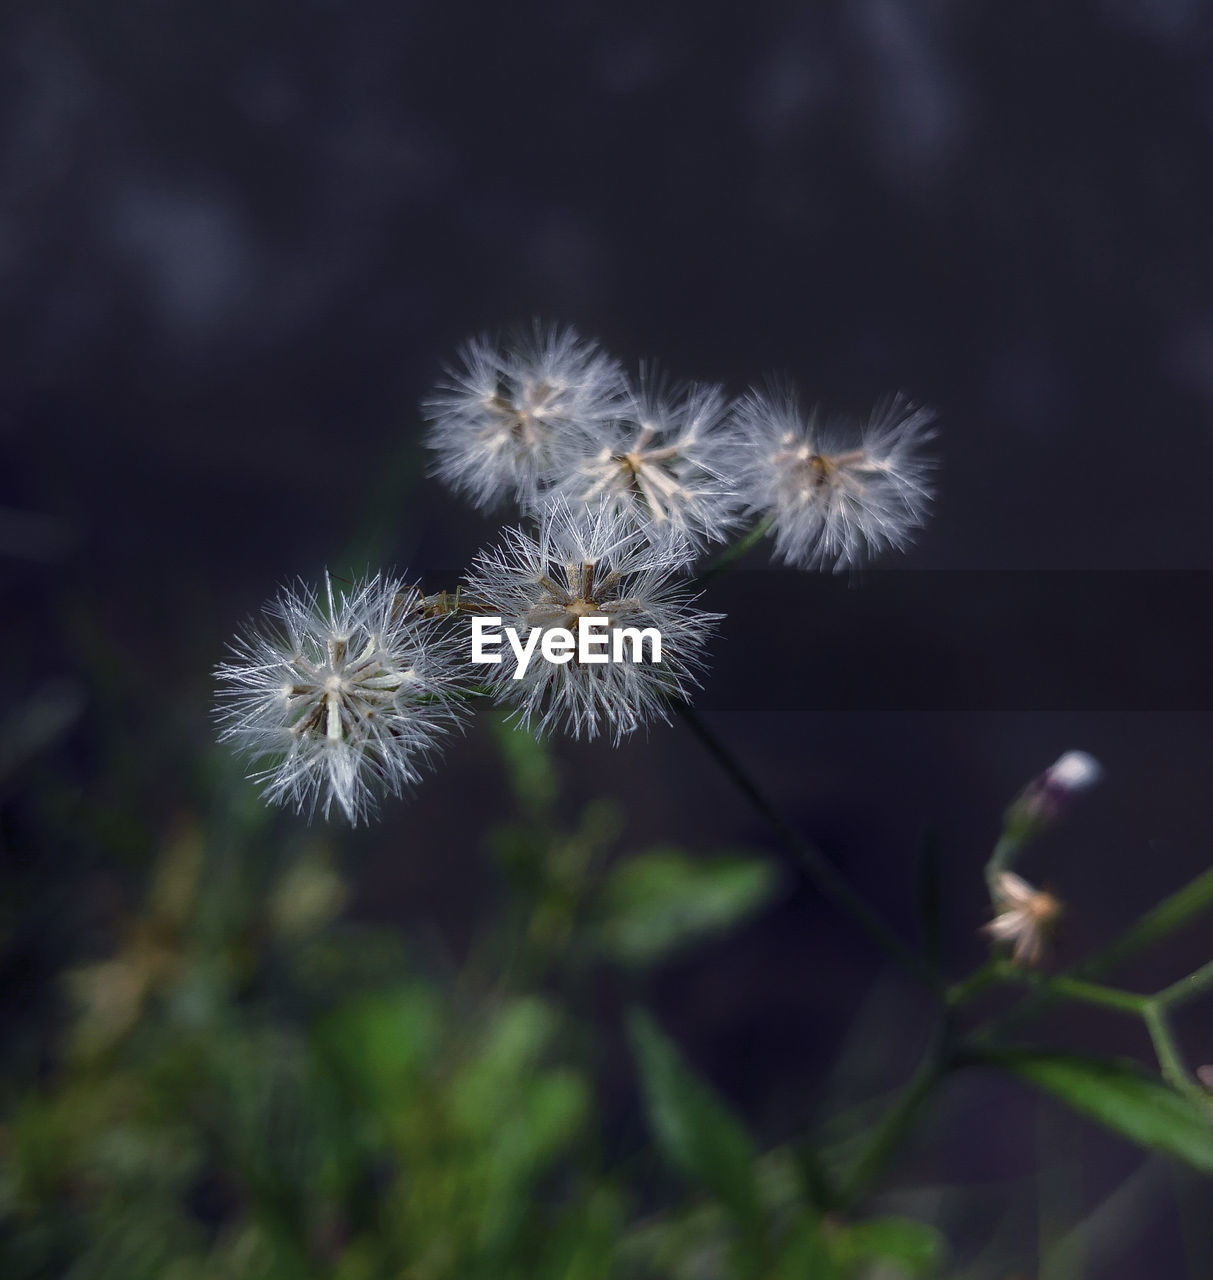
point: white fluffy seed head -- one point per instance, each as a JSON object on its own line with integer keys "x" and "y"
{"x": 663, "y": 463}
{"x": 342, "y": 697}
{"x": 835, "y": 493}
{"x": 584, "y": 562}
{"x": 511, "y": 417}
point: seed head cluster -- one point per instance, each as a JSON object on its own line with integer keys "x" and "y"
{"x": 341, "y": 696}
{"x": 552, "y": 416}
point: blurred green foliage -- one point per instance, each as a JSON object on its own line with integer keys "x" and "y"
{"x": 252, "y": 1084}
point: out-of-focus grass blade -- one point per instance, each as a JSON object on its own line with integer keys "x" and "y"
{"x": 1121, "y": 1096}
{"x": 695, "y": 1132}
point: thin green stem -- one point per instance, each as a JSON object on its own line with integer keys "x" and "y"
{"x": 1171, "y": 914}
{"x": 888, "y": 1133}
{"x": 1152, "y": 1010}
{"x": 1005, "y": 852}
{"x": 1165, "y": 1049}
{"x": 1186, "y": 989}
{"x": 988, "y": 975}
{"x": 730, "y": 555}
{"x": 804, "y": 857}
{"x": 1060, "y": 987}
{"x": 1159, "y": 922}
{"x": 1094, "y": 993}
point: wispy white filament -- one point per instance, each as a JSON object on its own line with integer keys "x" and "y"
{"x": 835, "y": 492}
{"x": 510, "y": 418}
{"x": 664, "y": 464}
{"x": 588, "y": 562}
{"x": 341, "y": 697}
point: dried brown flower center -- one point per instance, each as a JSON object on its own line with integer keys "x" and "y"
{"x": 1042, "y": 908}
{"x": 812, "y": 469}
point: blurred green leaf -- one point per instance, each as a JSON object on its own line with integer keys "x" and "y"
{"x": 505, "y": 1059}
{"x": 659, "y": 901}
{"x": 804, "y": 1253}
{"x": 381, "y": 1041}
{"x": 914, "y": 1248}
{"x": 309, "y": 895}
{"x": 1121, "y": 1096}
{"x": 697, "y": 1135}
{"x": 529, "y": 765}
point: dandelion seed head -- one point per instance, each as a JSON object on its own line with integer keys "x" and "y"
{"x": 587, "y": 562}
{"x": 340, "y": 698}
{"x": 835, "y": 494}
{"x": 663, "y": 464}
{"x": 510, "y": 418}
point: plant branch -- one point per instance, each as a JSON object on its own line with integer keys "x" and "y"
{"x": 1159, "y": 922}
{"x": 805, "y": 858}
{"x": 891, "y": 1129}
{"x": 1186, "y": 989}
{"x": 1167, "y": 1052}
{"x": 1059, "y": 987}
{"x": 1152, "y": 1010}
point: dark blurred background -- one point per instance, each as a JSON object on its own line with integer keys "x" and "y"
{"x": 238, "y": 242}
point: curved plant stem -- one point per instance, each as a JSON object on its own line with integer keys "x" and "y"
{"x": 1095, "y": 994}
{"x": 1158, "y": 923}
{"x": 1152, "y": 1010}
{"x": 1005, "y": 852}
{"x": 1165, "y": 1049}
{"x": 887, "y": 1136}
{"x": 805, "y": 858}
{"x": 1186, "y": 989}
{"x": 1060, "y": 987}
{"x": 988, "y": 975}
{"x": 730, "y": 555}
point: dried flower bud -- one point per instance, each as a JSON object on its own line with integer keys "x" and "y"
{"x": 1048, "y": 796}
{"x": 1025, "y": 917}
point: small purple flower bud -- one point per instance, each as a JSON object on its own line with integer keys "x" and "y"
{"x": 1047, "y": 797}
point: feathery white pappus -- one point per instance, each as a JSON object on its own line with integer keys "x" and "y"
{"x": 346, "y": 695}
{"x": 587, "y": 562}
{"x": 663, "y": 463}
{"x": 511, "y": 417}
{"x": 834, "y": 492}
